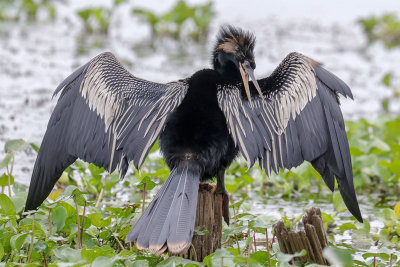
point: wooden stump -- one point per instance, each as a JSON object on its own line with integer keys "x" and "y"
{"x": 313, "y": 238}
{"x": 208, "y": 224}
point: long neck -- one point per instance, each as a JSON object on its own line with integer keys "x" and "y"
{"x": 226, "y": 68}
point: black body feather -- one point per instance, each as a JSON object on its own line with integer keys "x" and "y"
{"x": 109, "y": 117}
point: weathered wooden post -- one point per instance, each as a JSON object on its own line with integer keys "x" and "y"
{"x": 208, "y": 223}
{"x": 313, "y": 238}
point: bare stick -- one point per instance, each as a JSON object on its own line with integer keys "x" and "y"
{"x": 33, "y": 235}
{"x": 119, "y": 243}
{"x": 50, "y": 223}
{"x": 83, "y": 222}
{"x": 144, "y": 196}
{"x": 267, "y": 245}
{"x": 78, "y": 232}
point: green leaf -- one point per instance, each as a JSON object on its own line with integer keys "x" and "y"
{"x": 41, "y": 247}
{"x": 91, "y": 254}
{"x": 388, "y": 215}
{"x": 68, "y": 254}
{"x": 72, "y": 191}
{"x": 118, "y": 2}
{"x": 98, "y": 221}
{"x": 4, "y": 180}
{"x": 397, "y": 209}
{"x": 7, "y": 206}
{"x": 19, "y": 201}
{"x": 17, "y": 241}
{"x": 347, "y": 226}
{"x": 6, "y": 160}
{"x": 103, "y": 261}
{"x": 15, "y": 145}
{"x": 339, "y": 257}
{"x": 35, "y": 147}
{"x": 59, "y": 215}
{"x": 96, "y": 171}
{"x": 1, "y": 251}
{"x": 387, "y": 78}
{"x": 149, "y": 183}
{"x": 260, "y": 256}
{"x": 338, "y": 203}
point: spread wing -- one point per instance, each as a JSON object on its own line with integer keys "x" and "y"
{"x": 298, "y": 119}
{"x": 105, "y": 116}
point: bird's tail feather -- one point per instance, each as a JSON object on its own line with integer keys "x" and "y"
{"x": 168, "y": 221}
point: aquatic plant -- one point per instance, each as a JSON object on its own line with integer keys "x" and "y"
{"x": 172, "y": 22}
{"x": 89, "y": 213}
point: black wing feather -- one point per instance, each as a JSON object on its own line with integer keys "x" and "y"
{"x": 104, "y": 116}
{"x": 300, "y": 120}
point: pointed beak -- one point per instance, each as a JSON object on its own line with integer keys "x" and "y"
{"x": 246, "y": 71}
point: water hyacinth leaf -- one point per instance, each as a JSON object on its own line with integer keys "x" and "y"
{"x": 347, "y": 226}
{"x": 4, "y": 180}
{"x": 15, "y": 145}
{"x": 20, "y": 188}
{"x": 98, "y": 221}
{"x": 96, "y": 171}
{"x": 221, "y": 257}
{"x": 64, "y": 178}
{"x": 72, "y": 191}
{"x": 149, "y": 184}
{"x": 247, "y": 261}
{"x": 17, "y": 241}
{"x": 70, "y": 209}
{"x": 19, "y": 201}
{"x": 140, "y": 263}
{"x": 260, "y": 257}
{"x": 67, "y": 254}
{"x": 7, "y": 206}
{"x": 55, "y": 194}
{"x": 337, "y": 256}
{"x": 59, "y": 215}
{"x": 124, "y": 231}
{"x": 338, "y": 203}
{"x": 263, "y": 221}
{"x": 327, "y": 218}
{"x": 383, "y": 256}
{"x": 91, "y": 254}
{"x": 103, "y": 261}
{"x": 387, "y": 215}
{"x": 71, "y": 220}
{"x": 41, "y": 247}
{"x": 111, "y": 181}
{"x": 89, "y": 240}
{"x": 25, "y": 225}
{"x": 6, "y": 160}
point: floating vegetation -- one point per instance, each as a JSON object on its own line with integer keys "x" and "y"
{"x": 385, "y": 28}
{"x": 26, "y": 9}
{"x": 88, "y": 215}
{"x": 180, "y": 22}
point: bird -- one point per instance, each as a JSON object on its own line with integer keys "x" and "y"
{"x": 109, "y": 117}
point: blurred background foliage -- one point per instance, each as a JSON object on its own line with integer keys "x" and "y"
{"x": 107, "y": 208}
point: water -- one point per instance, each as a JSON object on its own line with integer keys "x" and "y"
{"x": 35, "y": 58}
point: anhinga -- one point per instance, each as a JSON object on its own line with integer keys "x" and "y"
{"x": 109, "y": 117}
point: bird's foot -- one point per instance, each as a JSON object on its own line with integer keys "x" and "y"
{"x": 225, "y": 203}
